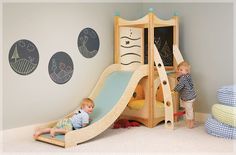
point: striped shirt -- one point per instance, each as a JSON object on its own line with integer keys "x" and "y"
{"x": 185, "y": 88}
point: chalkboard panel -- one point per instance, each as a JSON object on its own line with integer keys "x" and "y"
{"x": 23, "y": 57}
{"x": 163, "y": 39}
{"x": 88, "y": 42}
{"x": 60, "y": 67}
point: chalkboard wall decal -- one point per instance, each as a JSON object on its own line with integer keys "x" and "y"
{"x": 60, "y": 67}
{"x": 88, "y": 42}
{"x": 163, "y": 39}
{"x": 23, "y": 57}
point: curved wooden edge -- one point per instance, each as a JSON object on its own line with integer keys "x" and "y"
{"x": 177, "y": 55}
{"x": 158, "y": 22}
{"x": 105, "y": 73}
{"x": 142, "y": 113}
{"x": 75, "y": 137}
{"x": 162, "y": 23}
{"x": 168, "y": 101}
{"x": 51, "y": 141}
{"x": 124, "y": 22}
{"x": 158, "y": 120}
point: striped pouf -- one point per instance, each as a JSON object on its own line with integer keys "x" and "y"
{"x": 225, "y": 114}
{"x": 219, "y": 129}
{"x": 227, "y": 95}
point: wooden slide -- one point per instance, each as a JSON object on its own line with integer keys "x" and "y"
{"x": 111, "y": 95}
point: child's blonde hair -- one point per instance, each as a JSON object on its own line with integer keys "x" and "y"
{"x": 184, "y": 64}
{"x": 88, "y": 102}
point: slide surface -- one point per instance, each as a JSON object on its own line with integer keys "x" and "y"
{"x": 111, "y": 95}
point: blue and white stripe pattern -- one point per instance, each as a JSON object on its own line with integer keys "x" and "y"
{"x": 227, "y": 95}
{"x": 185, "y": 87}
{"x": 218, "y": 129}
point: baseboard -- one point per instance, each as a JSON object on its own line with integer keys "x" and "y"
{"x": 201, "y": 117}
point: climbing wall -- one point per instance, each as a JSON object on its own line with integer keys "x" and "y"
{"x": 131, "y": 46}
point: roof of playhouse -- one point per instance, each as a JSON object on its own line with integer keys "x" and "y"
{"x": 149, "y": 19}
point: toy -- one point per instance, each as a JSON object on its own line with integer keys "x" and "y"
{"x": 124, "y": 123}
{"x": 131, "y": 52}
{"x": 118, "y": 83}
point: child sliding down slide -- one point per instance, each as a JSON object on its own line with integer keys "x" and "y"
{"x": 79, "y": 120}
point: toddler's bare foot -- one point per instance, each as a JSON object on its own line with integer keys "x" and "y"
{"x": 196, "y": 124}
{"x": 36, "y": 134}
{"x": 191, "y": 124}
{"x": 52, "y": 133}
{"x": 188, "y": 123}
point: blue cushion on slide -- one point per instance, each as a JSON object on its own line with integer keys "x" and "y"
{"x": 227, "y": 95}
{"x": 216, "y": 128}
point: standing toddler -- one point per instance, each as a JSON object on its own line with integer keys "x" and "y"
{"x": 186, "y": 90}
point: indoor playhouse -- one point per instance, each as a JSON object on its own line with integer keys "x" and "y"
{"x": 138, "y": 85}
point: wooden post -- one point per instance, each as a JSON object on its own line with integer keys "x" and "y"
{"x": 169, "y": 115}
{"x": 176, "y": 31}
{"x": 176, "y": 37}
{"x": 116, "y": 40}
{"x": 151, "y": 69}
{"x": 175, "y": 96}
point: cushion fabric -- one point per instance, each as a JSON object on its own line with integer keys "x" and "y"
{"x": 136, "y": 104}
{"x": 139, "y": 104}
{"x": 216, "y": 128}
{"x": 225, "y": 114}
{"x": 227, "y": 95}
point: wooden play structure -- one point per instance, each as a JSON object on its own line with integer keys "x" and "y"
{"x": 152, "y": 101}
{"x": 133, "y": 87}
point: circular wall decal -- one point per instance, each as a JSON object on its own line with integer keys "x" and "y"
{"x": 23, "y": 57}
{"x": 60, "y": 67}
{"x": 88, "y": 43}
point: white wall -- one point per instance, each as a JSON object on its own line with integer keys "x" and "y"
{"x": 206, "y": 42}
{"x": 54, "y": 27}
{"x": 1, "y": 73}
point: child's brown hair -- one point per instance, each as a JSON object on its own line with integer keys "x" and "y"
{"x": 88, "y": 102}
{"x": 184, "y": 64}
